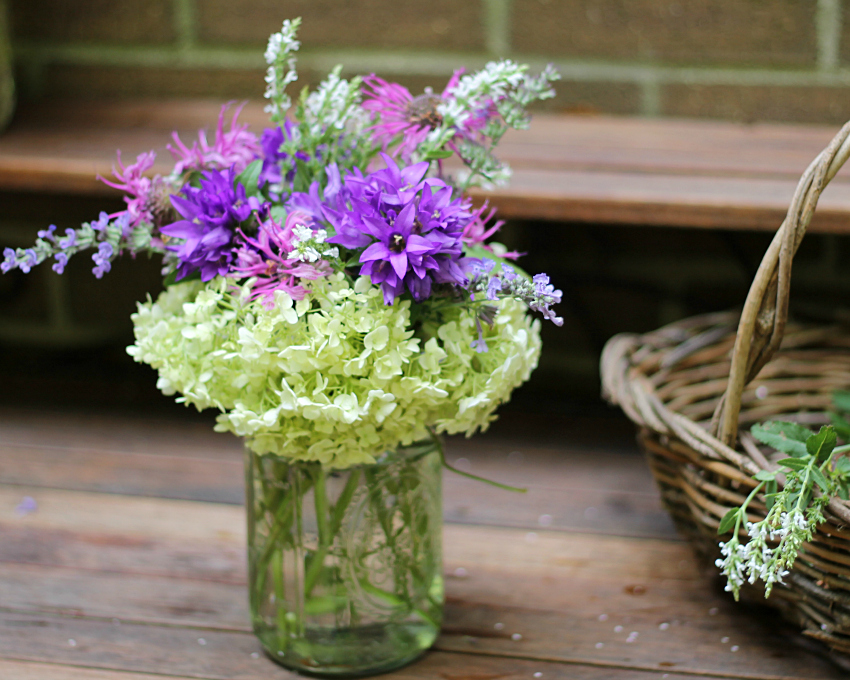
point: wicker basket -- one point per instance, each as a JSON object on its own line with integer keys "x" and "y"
{"x": 691, "y": 385}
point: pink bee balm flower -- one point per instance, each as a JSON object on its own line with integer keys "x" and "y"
{"x": 403, "y": 114}
{"x": 477, "y": 231}
{"x": 267, "y": 258}
{"x": 235, "y": 148}
{"x": 400, "y": 113}
{"x": 142, "y": 191}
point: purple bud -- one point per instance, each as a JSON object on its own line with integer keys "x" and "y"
{"x": 61, "y": 261}
{"x": 493, "y": 288}
{"x": 123, "y": 222}
{"x": 508, "y": 272}
{"x": 540, "y": 283}
{"x": 10, "y": 262}
{"x": 102, "y": 222}
{"x": 479, "y": 345}
{"x": 47, "y": 234}
{"x": 101, "y": 259}
{"x": 30, "y": 261}
{"x": 69, "y": 240}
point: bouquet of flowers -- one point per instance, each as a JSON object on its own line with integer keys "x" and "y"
{"x": 331, "y": 291}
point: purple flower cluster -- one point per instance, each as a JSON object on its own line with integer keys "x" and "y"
{"x": 409, "y": 229}
{"x": 274, "y": 159}
{"x": 212, "y": 213}
{"x": 537, "y": 293}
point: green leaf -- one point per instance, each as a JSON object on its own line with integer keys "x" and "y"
{"x": 764, "y": 476}
{"x": 841, "y": 400}
{"x": 278, "y": 213}
{"x": 326, "y": 604}
{"x": 842, "y": 427}
{"x": 820, "y": 445}
{"x": 842, "y": 492}
{"x": 789, "y": 438}
{"x": 439, "y": 154}
{"x": 820, "y": 479}
{"x": 842, "y": 465}
{"x": 302, "y": 176}
{"x": 250, "y": 177}
{"x": 390, "y": 598}
{"x": 728, "y": 521}
{"x": 794, "y": 463}
{"x": 171, "y": 279}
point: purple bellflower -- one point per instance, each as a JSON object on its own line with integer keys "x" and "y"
{"x": 211, "y": 215}
{"x": 408, "y": 228}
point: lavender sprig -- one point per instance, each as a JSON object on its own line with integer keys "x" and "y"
{"x": 536, "y": 292}
{"x": 109, "y": 235}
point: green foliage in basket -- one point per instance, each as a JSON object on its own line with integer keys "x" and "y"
{"x": 795, "y": 493}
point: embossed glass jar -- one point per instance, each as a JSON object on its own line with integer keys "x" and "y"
{"x": 345, "y": 567}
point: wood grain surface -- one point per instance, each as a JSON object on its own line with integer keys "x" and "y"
{"x": 686, "y": 173}
{"x": 133, "y": 566}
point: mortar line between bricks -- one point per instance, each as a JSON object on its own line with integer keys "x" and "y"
{"x": 497, "y": 26}
{"x": 650, "y": 98}
{"x": 184, "y": 23}
{"x": 425, "y": 64}
{"x": 828, "y": 20}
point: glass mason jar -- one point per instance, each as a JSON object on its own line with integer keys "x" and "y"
{"x": 345, "y": 567}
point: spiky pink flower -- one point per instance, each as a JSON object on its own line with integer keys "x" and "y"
{"x": 477, "y": 231}
{"x": 400, "y": 113}
{"x": 142, "y": 192}
{"x": 267, "y": 258}
{"x": 234, "y": 148}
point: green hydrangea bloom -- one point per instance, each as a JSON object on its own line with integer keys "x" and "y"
{"x": 338, "y": 377}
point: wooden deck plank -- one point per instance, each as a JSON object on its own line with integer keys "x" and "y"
{"x": 585, "y": 489}
{"x": 706, "y": 202}
{"x": 33, "y": 670}
{"x": 700, "y": 174}
{"x": 562, "y": 593}
{"x": 621, "y": 510}
{"x": 105, "y": 652}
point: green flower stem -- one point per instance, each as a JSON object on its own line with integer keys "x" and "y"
{"x": 320, "y": 496}
{"x": 439, "y": 444}
{"x": 328, "y": 522}
{"x": 805, "y": 491}
{"x": 279, "y": 589}
{"x": 384, "y": 515}
{"x": 742, "y": 512}
{"x": 281, "y": 504}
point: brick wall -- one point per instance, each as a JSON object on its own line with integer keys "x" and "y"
{"x": 735, "y": 59}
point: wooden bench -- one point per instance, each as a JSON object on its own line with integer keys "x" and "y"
{"x": 132, "y": 564}
{"x": 598, "y": 169}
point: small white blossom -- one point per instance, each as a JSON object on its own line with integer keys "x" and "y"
{"x": 335, "y": 105}
{"x": 280, "y": 56}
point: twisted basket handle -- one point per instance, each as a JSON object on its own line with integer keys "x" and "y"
{"x": 765, "y": 313}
